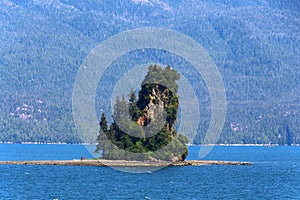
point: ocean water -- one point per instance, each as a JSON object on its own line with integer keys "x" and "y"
{"x": 275, "y": 174}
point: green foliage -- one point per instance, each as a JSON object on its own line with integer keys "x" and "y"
{"x": 129, "y": 141}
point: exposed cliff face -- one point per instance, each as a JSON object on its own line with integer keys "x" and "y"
{"x": 155, "y": 110}
{"x": 160, "y": 109}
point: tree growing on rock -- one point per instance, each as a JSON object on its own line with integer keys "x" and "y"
{"x": 144, "y": 128}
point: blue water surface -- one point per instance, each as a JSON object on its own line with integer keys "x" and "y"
{"x": 275, "y": 174}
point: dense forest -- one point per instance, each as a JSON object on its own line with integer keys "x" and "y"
{"x": 148, "y": 133}
{"x": 255, "y": 45}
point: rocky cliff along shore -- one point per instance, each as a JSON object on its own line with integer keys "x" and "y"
{"x": 122, "y": 163}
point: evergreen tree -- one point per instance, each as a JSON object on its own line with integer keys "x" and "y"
{"x": 102, "y": 137}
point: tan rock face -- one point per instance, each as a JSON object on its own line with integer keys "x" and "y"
{"x": 155, "y": 110}
{"x": 141, "y": 120}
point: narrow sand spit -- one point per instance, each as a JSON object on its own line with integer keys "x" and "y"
{"x": 122, "y": 163}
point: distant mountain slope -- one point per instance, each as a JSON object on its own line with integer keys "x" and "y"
{"x": 256, "y": 46}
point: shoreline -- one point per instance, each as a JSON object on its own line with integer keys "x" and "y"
{"x": 225, "y": 145}
{"x": 123, "y": 163}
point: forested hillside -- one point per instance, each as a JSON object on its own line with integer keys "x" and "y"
{"x": 254, "y": 44}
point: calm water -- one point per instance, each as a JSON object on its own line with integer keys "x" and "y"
{"x": 274, "y": 175}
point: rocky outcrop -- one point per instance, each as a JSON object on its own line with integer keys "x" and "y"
{"x": 148, "y": 133}
{"x": 154, "y": 112}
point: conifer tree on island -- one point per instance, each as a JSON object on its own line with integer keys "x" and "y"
{"x": 144, "y": 128}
